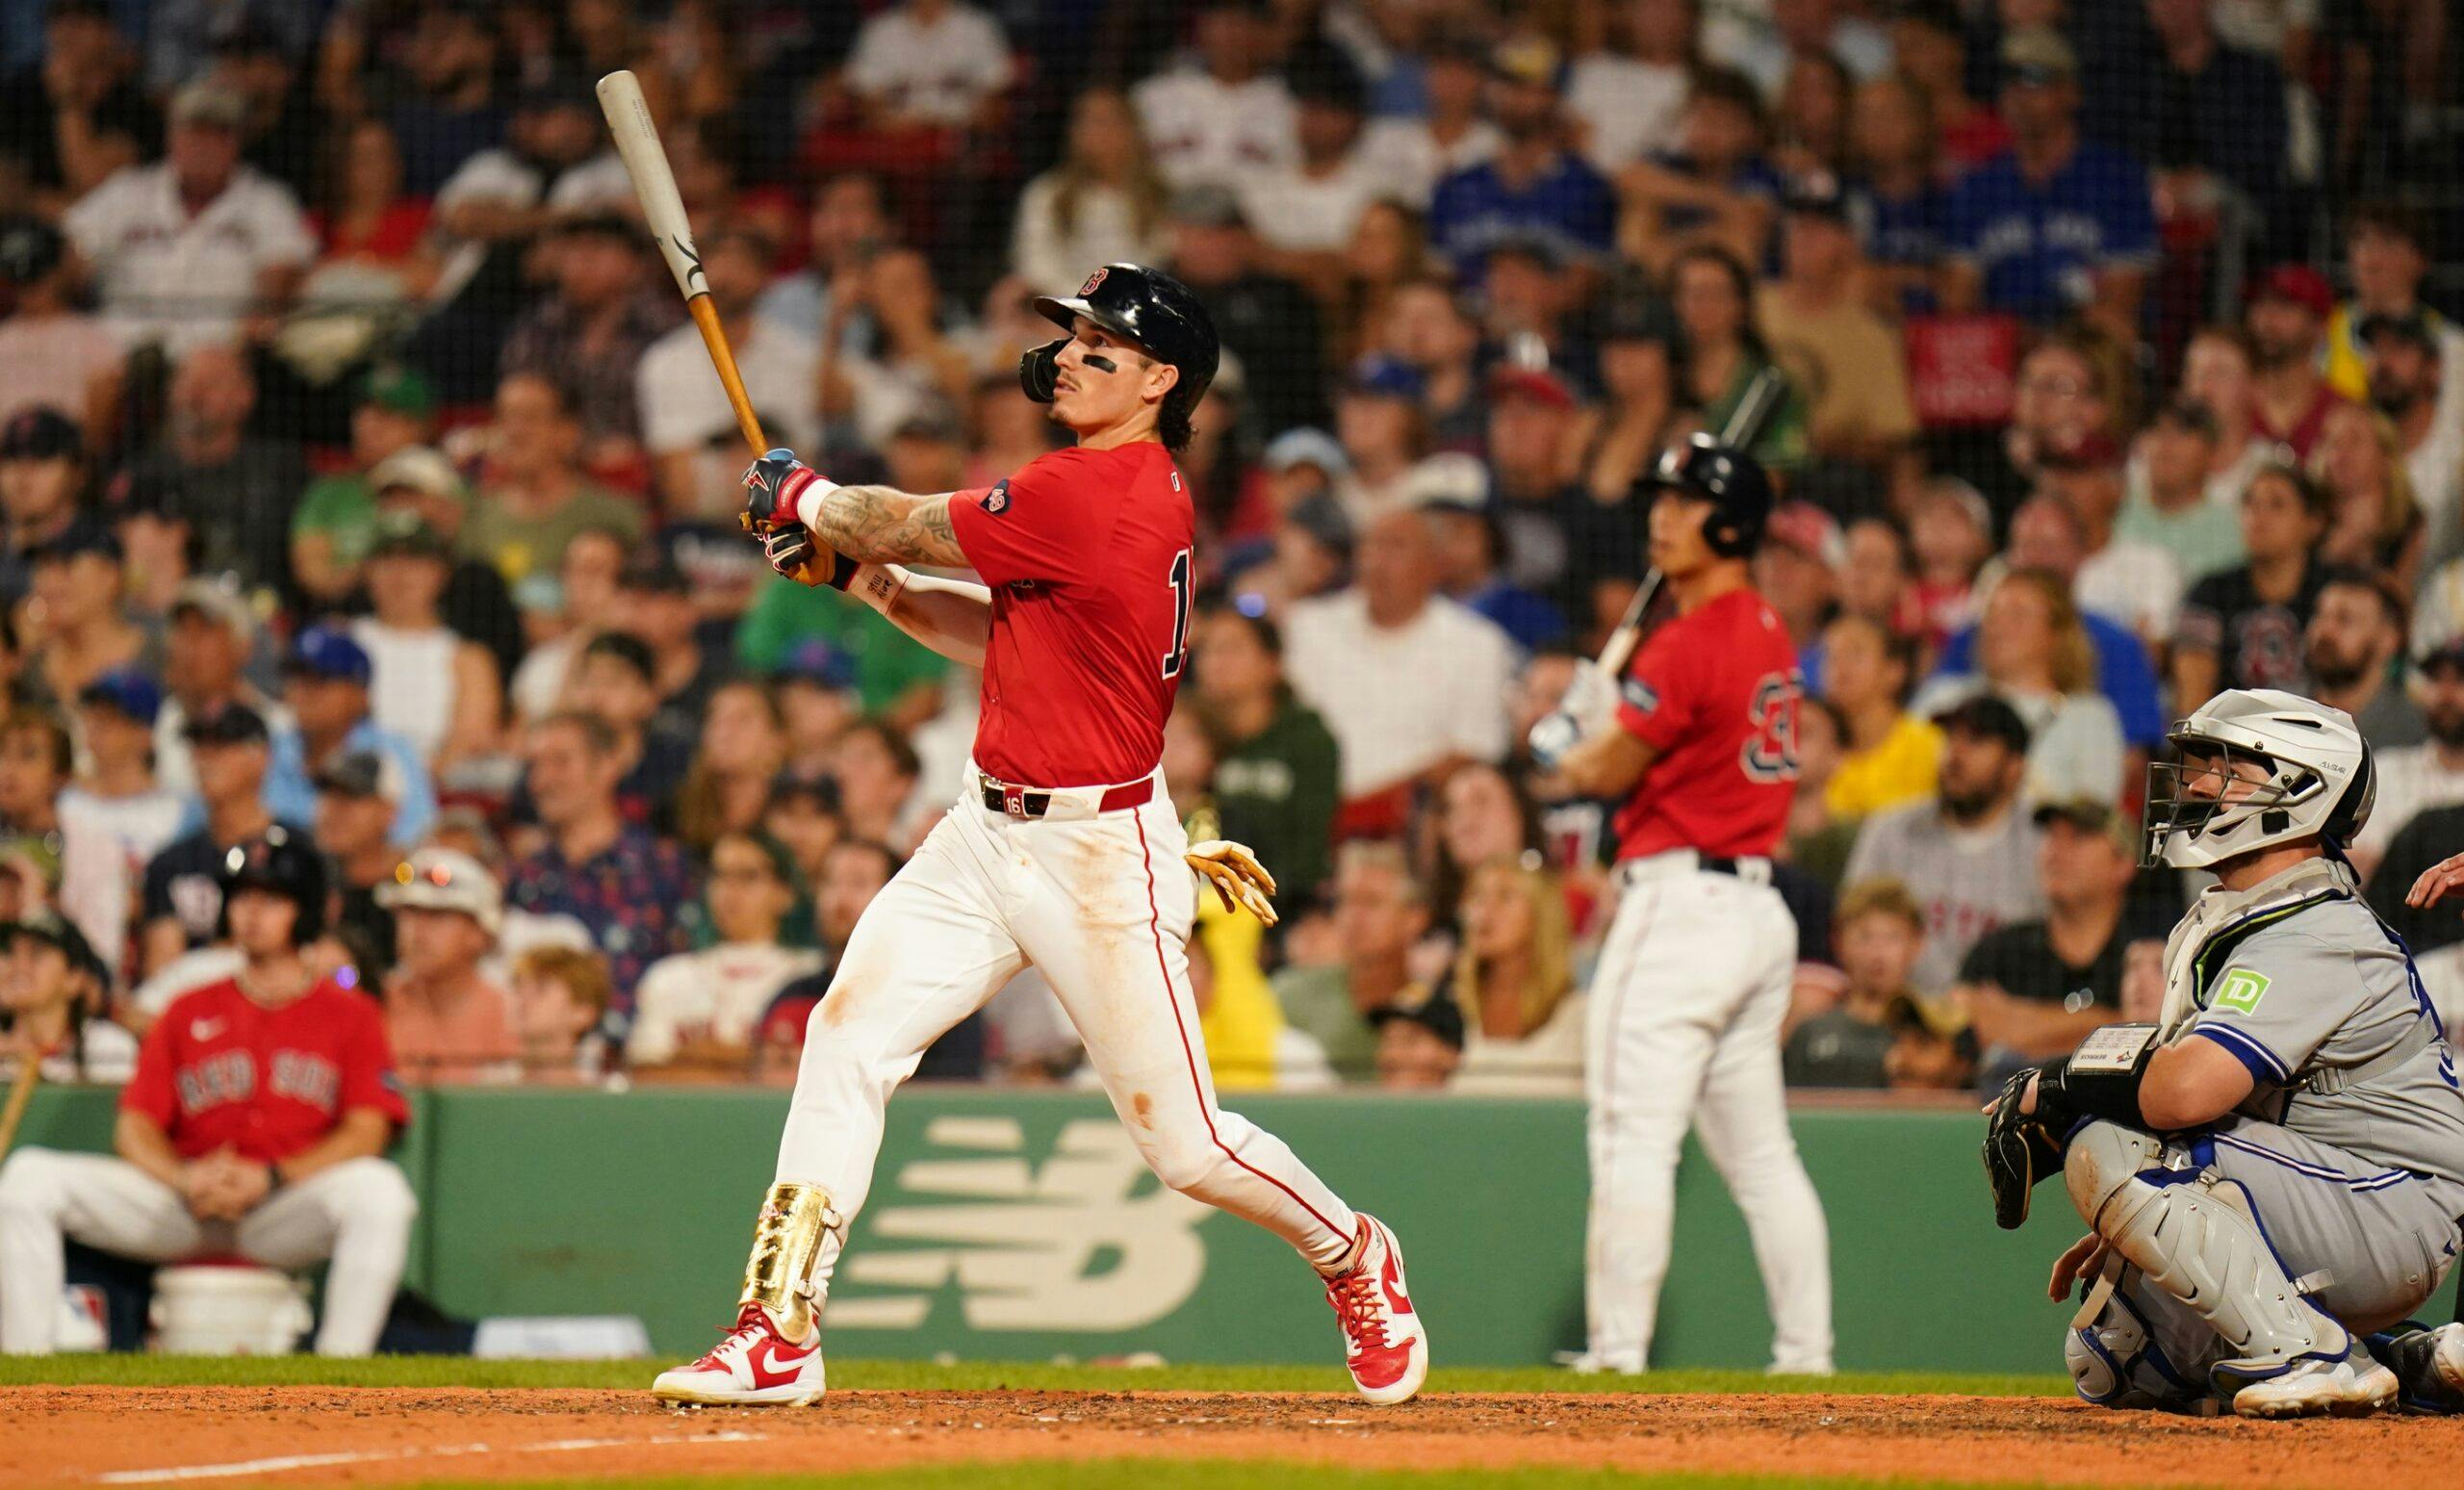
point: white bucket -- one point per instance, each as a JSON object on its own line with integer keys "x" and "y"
{"x": 217, "y": 1310}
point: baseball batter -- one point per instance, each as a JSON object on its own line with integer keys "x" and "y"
{"x": 256, "y": 1123}
{"x": 1063, "y": 849}
{"x": 2273, "y": 1170}
{"x": 1699, "y": 738}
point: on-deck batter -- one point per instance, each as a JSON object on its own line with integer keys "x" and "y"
{"x": 1063, "y": 849}
{"x": 1699, "y": 737}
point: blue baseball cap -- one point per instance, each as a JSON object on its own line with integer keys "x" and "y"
{"x": 327, "y": 651}
{"x": 131, "y": 691}
{"x": 1386, "y": 377}
{"x": 815, "y": 660}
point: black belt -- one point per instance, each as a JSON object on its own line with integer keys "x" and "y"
{"x": 1021, "y": 802}
{"x": 1709, "y": 865}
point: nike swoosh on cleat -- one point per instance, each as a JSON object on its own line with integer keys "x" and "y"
{"x": 762, "y": 1362}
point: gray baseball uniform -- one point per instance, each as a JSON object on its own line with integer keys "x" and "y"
{"x": 2349, "y": 1149}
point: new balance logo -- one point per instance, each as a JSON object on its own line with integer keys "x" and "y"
{"x": 1084, "y": 1243}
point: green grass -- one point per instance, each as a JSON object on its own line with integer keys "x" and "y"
{"x": 1226, "y": 1474}
{"x": 445, "y": 1370}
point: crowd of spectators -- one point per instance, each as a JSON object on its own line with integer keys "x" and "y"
{"x": 360, "y": 477}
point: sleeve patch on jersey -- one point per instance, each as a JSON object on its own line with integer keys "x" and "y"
{"x": 997, "y": 500}
{"x": 1639, "y": 696}
{"x": 2239, "y": 991}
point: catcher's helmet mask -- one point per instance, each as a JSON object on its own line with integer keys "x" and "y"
{"x": 2326, "y": 796}
{"x": 1733, "y": 482}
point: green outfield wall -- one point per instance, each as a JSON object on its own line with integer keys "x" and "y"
{"x": 1021, "y": 1226}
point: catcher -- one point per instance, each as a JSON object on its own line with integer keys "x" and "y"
{"x": 2272, "y": 1171}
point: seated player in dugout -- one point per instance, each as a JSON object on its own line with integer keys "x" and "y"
{"x": 1062, "y": 845}
{"x": 2271, "y": 1172}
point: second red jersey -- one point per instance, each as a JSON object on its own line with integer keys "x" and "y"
{"x": 219, "y": 1069}
{"x": 1715, "y": 692}
{"x": 1088, "y": 554}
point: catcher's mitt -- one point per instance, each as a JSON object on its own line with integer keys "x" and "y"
{"x": 2020, "y": 1149}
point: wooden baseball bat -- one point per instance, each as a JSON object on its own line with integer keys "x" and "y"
{"x": 29, "y": 1076}
{"x": 1754, "y": 410}
{"x": 628, "y": 118}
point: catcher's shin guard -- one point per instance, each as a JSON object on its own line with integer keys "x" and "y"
{"x": 797, "y": 1222}
{"x": 2115, "y": 1359}
{"x": 2201, "y": 1243}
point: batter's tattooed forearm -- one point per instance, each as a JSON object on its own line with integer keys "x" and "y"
{"x": 877, "y": 525}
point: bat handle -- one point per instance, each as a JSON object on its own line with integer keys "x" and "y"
{"x": 706, "y": 316}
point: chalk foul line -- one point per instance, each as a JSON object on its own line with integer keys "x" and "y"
{"x": 303, "y": 1461}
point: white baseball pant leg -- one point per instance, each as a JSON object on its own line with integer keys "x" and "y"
{"x": 1685, "y": 1012}
{"x": 1103, "y": 906}
{"x": 358, "y": 1214}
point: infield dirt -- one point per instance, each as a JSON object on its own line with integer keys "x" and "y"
{"x": 324, "y": 1435}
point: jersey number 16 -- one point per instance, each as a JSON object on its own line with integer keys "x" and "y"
{"x": 1179, "y": 652}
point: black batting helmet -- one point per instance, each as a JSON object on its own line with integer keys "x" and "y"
{"x": 1146, "y": 306}
{"x": 1732, "y": 481}
{"x": 282, "y": 864}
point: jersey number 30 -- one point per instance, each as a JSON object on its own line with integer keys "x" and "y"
{"x": 1770, "y": 752}
{"x": 1180, "y": 649}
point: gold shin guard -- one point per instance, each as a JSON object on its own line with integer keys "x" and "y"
{"x": 787, "y": 1242}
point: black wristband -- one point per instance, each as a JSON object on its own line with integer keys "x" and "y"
{"x": 842, "y": 570}
{"x": 2102, "y": 1076}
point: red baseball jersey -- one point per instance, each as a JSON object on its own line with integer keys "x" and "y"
{"x": 219, "y": 1069}
{"x": 1715, "y": 691}
{"x": 1089, "y": 557}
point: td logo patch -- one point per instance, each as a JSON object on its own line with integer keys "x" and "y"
{"x": 1639, "y": 696}
{"x": 2239, "y": 991}
{"x": 997, "y": 500}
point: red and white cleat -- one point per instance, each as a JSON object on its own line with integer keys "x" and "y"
{"x": 1384, "y": 1343}
{"x": 753, "y": 1366}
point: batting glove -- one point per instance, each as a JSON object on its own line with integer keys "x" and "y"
{"x": 1590, "y": 699}
{"x": 1238, "y": 878}
{"x": 1552, "y": 738}
{"x": 794, "y": 553}
{"x": 771, "y": 486}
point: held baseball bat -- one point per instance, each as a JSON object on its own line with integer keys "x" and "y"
{"x": 1754, "y": 410}
{"x": 629, "y": 119}
{"x": 29, "y": 1074}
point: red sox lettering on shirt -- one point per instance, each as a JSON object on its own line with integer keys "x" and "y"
{"x": 220, "y": 1071}
{"x": 1088, "y": 555}
{"x": 1715, "y": 692}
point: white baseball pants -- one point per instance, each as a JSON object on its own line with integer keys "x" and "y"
{"x": 1686, "y": 1011}
{"x": 357, "y": 1213}
{"x": 1102, "y": 904}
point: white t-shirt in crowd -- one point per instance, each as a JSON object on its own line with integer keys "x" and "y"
{"x": 2136, "y": 584}
{"x": 51, "y": 361}
{"x": 104, "y": 843}
{"x": 684, "y": 408}
{"x": 1202, "y": 130}
{"x": 1399, "y": 700}
{"x": 181, "y": 279}
{"x": 2411, "y": 781}
{"x": 1548, "y": 1061}
{"x": 110, "y": 1055}
{"x": 1103, "y": 229}
{"x": 2437, "y": 465}
{"x": 716, "y": 994}
{"x": 1407, "y": 159}
{"x": 1630, "y": 108}
{"x": 939, "y": 71}
{"x": 1292, "y": 210}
